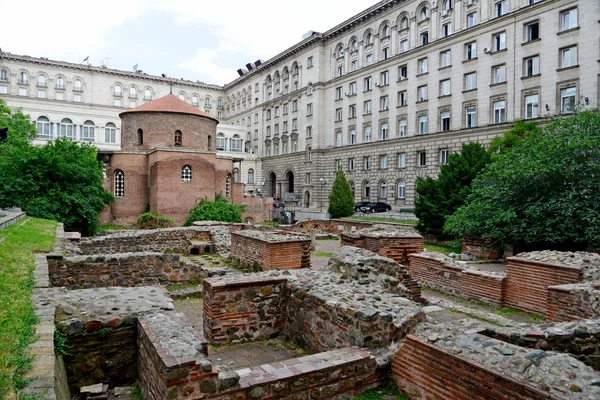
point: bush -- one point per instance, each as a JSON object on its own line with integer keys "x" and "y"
{"x": 219, "y": 210}
{"x": 341, "y": 200}
{"x": 149, "y": 220}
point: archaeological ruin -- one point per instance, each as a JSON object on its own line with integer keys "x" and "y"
{"x": 169, "y": 310}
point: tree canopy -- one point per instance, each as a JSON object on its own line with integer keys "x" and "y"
{"x": 545, "y": 190}
{"x": 341, "y": 199}
{"x": 439, "y": 198}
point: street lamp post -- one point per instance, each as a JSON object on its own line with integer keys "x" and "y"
{"x": 323, "y": 183}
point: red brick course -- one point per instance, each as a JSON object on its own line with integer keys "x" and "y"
{"x": 398, "y": 248}
{"x": 572, "y": 302}
{"x": 266, "y": 255}
{"x": 489, "y": 249}
{"x": 483, "y": 286}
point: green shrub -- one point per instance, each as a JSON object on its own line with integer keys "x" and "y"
{"x": 149, "y": 220}
{"x": 219, "y": 210}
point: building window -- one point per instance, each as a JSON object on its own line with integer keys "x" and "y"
{"x": 445, "y": 87}
{"x": 384, "y": 133}
{"x": 446, "y": 29}
{"x": 367, "y": 134}
{"x": 384, "y": 103}
{"x": 338, "y": 165}
{"x": 236, "y": 175}
{"x": 402, "y": 128}
{"x": 351, "y": 164}
{"x": 294, "y": 105}
{"x": 383, "y": 161}
{"x": 110, "y": 133}
{"x": 367, "y": 190}
{"x": 308, "y": 178}
{"x": 403, "y": 46}
{"x": 532, "y": 31}
{"x": 295, "y": 124}
{"x": 471, "y": 81}
{"x": 368, "y": 83}
{"x": 338, "y": 114}
{"x": 186, "y": 173}
{"x": 401, "y": 190}
{"x": 195, "y": 101}
{"x": 117, "y": 102}
{"x": 422, "y": 157}
{"x": 42, "y": 126}
{"x": 353, "y": 136}
{"x": 309, "y": 62}
{"x": 88, "y": 131}
{"x": 369, "y": 59}
{"x": 308, "y": 132}
{"x": 567, "y": 100}
{"x": 308, "y": 153}
{"x": 338, "y": 93}
{"x": 402, "y": 72}
{"x": 60, "y": 83}
{"x": 470, "y": 51}
{"x": 445, "y": 121}
{"x": 422, "y": 93}
{"x": 66, "y": 129}
{"x": 499, "y": 112}
{"x": 499, "y": 74}
{"x": 207, "y": 102}
{"x": 177, "y": 138}
{"x": 119, "y": 183}
{"x": 445, "y": 59}
{"x": 353, "y": 65}
{"x": 385, "y": 78}
{"x": 532, "y": 66}
{"x": 352, "y": 111}
{"x": 367, "y": 163}
{"x": 3, "y": 90}
{"x": 424, "y": 38}
{"x": 118, "y": 91}
{"x": 4, "y": 75}
{"x": 132, "y": 93}
{"x": 382, "y": 190}
{"x": 404, "y": 23}
{"x": 131, "y": 104}
{"x": 422, "y": 124}
{"x": 23, "y": 92}
{"x": 568, "y": 57}
{"x": 41, "y": 81}
{"x": 532, "y": 106}
{"x": 367, "y": 107}
{"x": 385, "y": 53}
{"x": 41, "y": 94}
{"x": 147, "y": 94}
{"x": 499, "y": 41}
{"x": 447, "y": 5}
{"x": 402, "y": 98}
{"x": 568, "y": 19}
{"x": 23, "y": 78}
{"x": 470, "y": 117}
{"x": 352, "y": 89}
{"x": 444, "y": 156}
{"x": 251, "y": 176}
{"x": 424, "y": 14}
{"x": 401, "y": 160}
{"x": 340, "y": 70}
{"x": 471, "y": 19}
{"x": 339, "y": 139}
{"x": 77, "y": 98}
{"x": 500, "y": 8}
{"x": 423, "y": 66}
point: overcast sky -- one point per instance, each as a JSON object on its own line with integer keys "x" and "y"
{"x": 199, "y": 39}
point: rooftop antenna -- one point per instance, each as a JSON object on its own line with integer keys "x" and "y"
{"x": 135, "y": 67}
{"x": 171, "y": 85}
{"x": 105, "y": 62}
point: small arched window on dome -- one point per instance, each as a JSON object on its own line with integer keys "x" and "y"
{"x": 209, "y": 144}
{"x": 186, "y": 173}
{"x": 119, "y": 183}
{"x": 177, "y": 138}
{"x": 140, "y": 138}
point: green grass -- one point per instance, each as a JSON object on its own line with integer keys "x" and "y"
{"x": 443, "y": 248}
{"x": 273, "y": 224}
{"x": 191, "y": 283}
{"x": 324, "y": 254}
{"x": 136, "y": 392}
{"x": 384, "y": 219}
{"x": 376, "y": 394}
{"x": 17, "y": 316}
{"x": 113, "y": 227}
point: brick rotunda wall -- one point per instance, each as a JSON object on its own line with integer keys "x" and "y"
{"x": 269, "y": 250}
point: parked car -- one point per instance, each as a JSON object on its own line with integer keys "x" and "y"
{"x": 360, "y": 204}
{"x": 376, "y": 207}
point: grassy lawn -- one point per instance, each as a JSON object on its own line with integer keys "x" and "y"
{"x": 323, "y": 254}
{"x": 384, "y": 219}
{"x": 377, "y": 394}
{"x": 113, "y": 227}
{"x": 443, "y": 248}
{"x": 17, "y": 317}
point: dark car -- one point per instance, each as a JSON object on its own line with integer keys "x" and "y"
{"x": 360, "y": 204}
{"x": 376, "y": 207}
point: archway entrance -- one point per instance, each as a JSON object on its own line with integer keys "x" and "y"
{"x": 289, "y": 177}
{"x": 272, "y": 184}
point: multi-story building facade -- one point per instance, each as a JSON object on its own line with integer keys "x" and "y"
{"x": 386, "y": 95}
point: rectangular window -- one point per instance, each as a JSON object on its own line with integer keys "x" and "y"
{"x": 471, "y": 19}
{"x": 268, "y": 114}
{"x": 277, "y": 129}
{"x": 367, "y": 134}
{"x": 470, "y": 51}
{"x": 401, "y": 160}
{"x": 353, "y": 136}
{"x": 445, "y": 59}
{"x": 338, "y": 139}
{"x": 422, "y": 93}
{"x": 385, "y": 78}
{"x": 423, "y": 66}
{"x": 308, "y": 178}
{"x": 532, "y": 106}
{"x": 117, "y": 102}
{"x": 499, "y": 112}
{"x": 367, "y": 162}
{"x": 500, "y": 8}
{"x": 268, "y": 134}
{"x": 446, "y": 29}
{"x": 499, "y": 74}
{"x": 340, "y": 71}
{"x": 445, "y": 87}
{"x": 352, "y": 111}
{"x": 567, "y": 100}
{"x": 402, "y": 98}
{"x": 256, "y": 118}
{"x": 499, "y": 41}
{"x": 402, "y": 72}
{"x": 309, "y": 62}
{"x": 351, "y": 164}
{"x": 353, "y": 65}
{"x": 384, "y": 134}
{"x": 383, "y": 161}
{"x": 352, "y": 88}
{"x": 444, "y": 156}
{"x": 424, "y": 38}
{"x": 367, "y": 107}
{"x": 294, "y": 105}
{"x": 532, "y": 31}
{"x": 77, "y": 98}
{"x": 339, "y": 166}
{"x": 4, "y": 89}
{"x": 339, "y": 94}
{"x": 568, "y": 19}
{"x": 470, "y": 117}
{"x": 422, "y": 157}
{"x": 41, "y": 94}
{"x": 532, "y": 66}
{"x": 338, "y": 114}
{"x": 369, "y": 59}
{"x": 471, "y": 81}
{"x": 422, "y": 124}
{"x": 568, "y": 57}
{"x": 368, "y": 83}
{"x": 445, "y": 121}
{"x": 404, "y": 46}
{"x": 309, "y": 109}
{"x": 295, "y": 124}
{"x": 402, "y": 128}
{"x": 384, "y": 103}
{"x": 276, "y": 112}
{"x": 309, "y": 131}
{"x": 385, "y": 53}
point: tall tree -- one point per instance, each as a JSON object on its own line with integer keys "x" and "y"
{"x": 341, "y": 199}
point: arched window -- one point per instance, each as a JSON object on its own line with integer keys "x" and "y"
{"x": 401, "y": 190}
{"x": 119, "y": 183}
{"x": 209, "y": 145}
{"x": 383, "y": 190}
{"x": 236, "y": 143}
{"x": 385, "y": 32}
{"x": 140, "y": 133}
{"x": 41, "y": 81}
{"x": 250, "y": 176}
{"x": 132, "y": 93}
{"x": 60, "y": 82}
{"x": 340, "y": 51}
{"x": 354, "y": 45}
{"x": 118, "y": 91}
{"x": 236, "y": 175}
{"x": 77, "y": 85}
{"x": 311, "y": 89}
{"x": 66, "y": 128}
{"x": 424, "y": 13}
{"x": 221, "y": 142}
{"x": 404, "y": 23}
{"x": 308, "y": 153}
{"x": 447, "y": 5}
{"x": 207, "y": 102}
{"x": 110, "y": 133}
{"x": 186, "y": 173}
{"x": 220, "y": 103}
{"x": 182, "y": 96}
{"x": 177, "y": 138}
{"x": 366, "y": 189}
{"x": 42, "y": 126}
{"x": 228, "y": 186}
{"x": 195, "y": 101}
{"x": 4, "y": 75}
{"x": 147, "y": 94}
{"x": 368, "y": 39}
{"x": 23, "y": 78}
{"x": 88, "y": 131}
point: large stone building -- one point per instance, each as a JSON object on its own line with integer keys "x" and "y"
{"x": 385, "y": 95}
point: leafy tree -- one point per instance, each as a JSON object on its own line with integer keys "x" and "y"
{"x": 520, "y": 131}
{"x": 218, "y": 210}
{"x": 20, "y": 128}
{"x": 439, "y": 198}
{"x": 341, "y": 200}
{"x": 546, "y": 190}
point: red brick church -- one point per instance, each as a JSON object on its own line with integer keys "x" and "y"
{"x": 167, "y": 161}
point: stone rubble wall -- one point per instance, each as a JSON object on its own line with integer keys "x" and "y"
{"x": 132, "y": 269}
{"x": 260, "y": 250}
{"x": 573, "y": 302}
{"x": 488, "y": 249}
{"x": 245, "y": 308}
{"x": 341, "y": 225}
{"x": 528, "y": 281}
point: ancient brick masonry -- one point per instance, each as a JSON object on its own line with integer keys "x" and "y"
{"x": 270, "y": 250}
{"x": 488, "y": 249}
{"x": 573, "y": 302}
{"x": 386, "y": 240}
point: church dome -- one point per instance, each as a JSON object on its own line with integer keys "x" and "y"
{"x": 169, "y": 104}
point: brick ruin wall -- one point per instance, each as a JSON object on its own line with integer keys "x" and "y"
{"x": 423, "y": 370}
{"x": 488, "y": 249}
{"x": 398, "y": 248}
{"x": 573, "y": 302}
{"x": 528, "y": 281}
{"x": 341, "y": 225}
{"x": 132, "y": 269}
{"x": 261, "y": 254}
